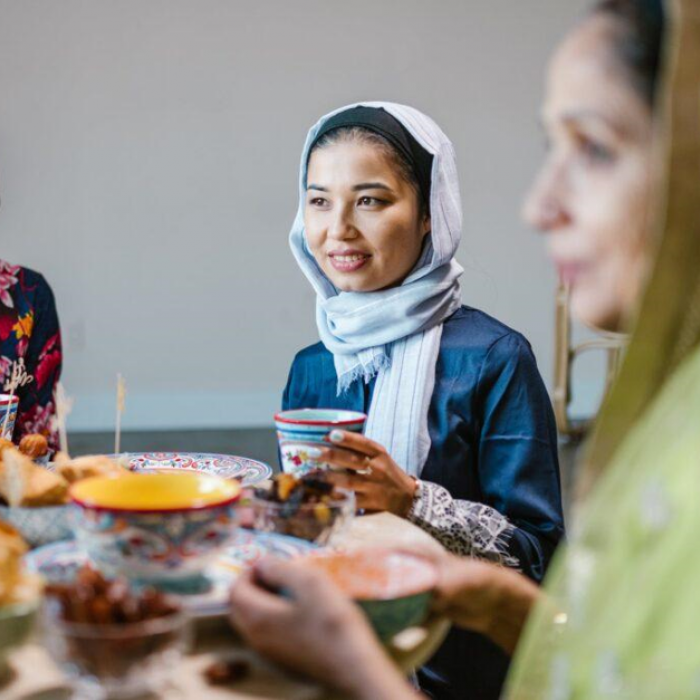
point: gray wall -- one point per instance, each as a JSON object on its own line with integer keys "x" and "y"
{"x": 148, "y": 161}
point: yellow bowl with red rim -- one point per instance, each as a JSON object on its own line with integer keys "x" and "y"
{"x": 162, "y": 529}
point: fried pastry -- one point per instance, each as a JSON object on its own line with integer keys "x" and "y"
{"x": 12, "y": 548}
{"x": 80, "y": 468}
{"x": 24, "y": 483}
{"x": 33, "y": 446}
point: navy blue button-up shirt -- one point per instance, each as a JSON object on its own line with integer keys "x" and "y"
{"x": 493, "y": 441}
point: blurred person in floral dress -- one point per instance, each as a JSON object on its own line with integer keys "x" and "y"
{"x": 29, "y": 330}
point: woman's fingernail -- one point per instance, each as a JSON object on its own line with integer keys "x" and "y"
{"x": 336, "y": 436}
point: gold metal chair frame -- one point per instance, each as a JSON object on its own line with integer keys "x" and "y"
{"x": 565, "y": 355}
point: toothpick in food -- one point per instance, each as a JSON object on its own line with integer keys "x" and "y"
{"x": 121, "y": 401}
{"x": 64, "y": 405}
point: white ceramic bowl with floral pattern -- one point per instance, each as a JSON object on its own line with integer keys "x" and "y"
{"x": 162, "y": 529}
{"x": 302, "y": 433}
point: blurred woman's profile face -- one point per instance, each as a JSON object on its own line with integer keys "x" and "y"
{"x": 362, "y": 218}
{"x": 591, "y": 196}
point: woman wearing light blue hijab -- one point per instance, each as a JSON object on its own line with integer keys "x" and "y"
{"x": 460, "y": 437}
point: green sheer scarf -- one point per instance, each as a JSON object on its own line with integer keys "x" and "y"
{"x": 621, "y": 619}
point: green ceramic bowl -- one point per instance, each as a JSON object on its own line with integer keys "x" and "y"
{"x": 16, "y": 622}
{"x": 389, "y": 617}
{"x": 394, "y": 589}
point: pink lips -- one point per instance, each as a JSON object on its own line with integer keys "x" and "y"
{"x": 348, "y": 260}
{"x": 569, "y": 271}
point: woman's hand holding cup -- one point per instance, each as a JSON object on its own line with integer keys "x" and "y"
{"x": 378, "y": 482}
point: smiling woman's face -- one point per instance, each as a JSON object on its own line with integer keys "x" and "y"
{"x": 592, "y": 194}
{"x": 362, "y": 218}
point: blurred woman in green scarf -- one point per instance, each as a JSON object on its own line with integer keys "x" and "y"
{"x": 620, "y": 611}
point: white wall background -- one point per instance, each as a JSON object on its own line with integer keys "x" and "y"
{"x": 148, "y": 162}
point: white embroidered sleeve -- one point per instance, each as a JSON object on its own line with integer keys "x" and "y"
{"x": 463, "y": 527}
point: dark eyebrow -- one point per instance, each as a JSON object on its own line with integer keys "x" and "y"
{"x": 371, "y": 186}
{"x": 590, "y": 116}
{"x": 356, "y": 188}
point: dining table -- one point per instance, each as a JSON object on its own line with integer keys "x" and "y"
{"x": 33, "y": 675}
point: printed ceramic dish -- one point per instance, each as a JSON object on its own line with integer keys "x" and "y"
{"x": 155, "y": 528}
{"x": 248, "y": 471}
{"x": 7, "y": 424}
{"x": 39, "y": 526}
{"x": 302, "y": 432}
{"x": 60, "y": 562}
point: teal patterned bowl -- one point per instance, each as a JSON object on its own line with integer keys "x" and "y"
{"x": 39, "y": 526}
{"x": 394, "y": 589}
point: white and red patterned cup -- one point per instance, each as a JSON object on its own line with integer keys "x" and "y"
{"x": 8, "y": 406}
{"x": 302, "y": 435}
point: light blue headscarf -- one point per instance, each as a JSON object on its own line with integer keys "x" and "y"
{"x": 394, "y": 333}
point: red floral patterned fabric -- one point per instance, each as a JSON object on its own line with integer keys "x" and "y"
{"x": 29, "y": 329}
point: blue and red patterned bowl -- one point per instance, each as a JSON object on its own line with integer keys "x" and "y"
{"x": 161, "y": 529}
{"x": 39, "y": 526}
{"x": 302, "y": 434}
{"x": 9, "y": 405}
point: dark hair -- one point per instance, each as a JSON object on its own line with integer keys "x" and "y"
{"x": 639, "y": 47}
{"x": 362, "y": 135}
